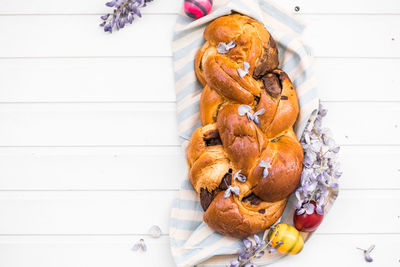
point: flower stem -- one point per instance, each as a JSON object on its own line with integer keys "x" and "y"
{"x": 259, "y": 251}
{"x": 315, "y": 130}
{"x": 124, "y": 4}
{"x": 312, "y": 195}
{"x": 119, "y": 8}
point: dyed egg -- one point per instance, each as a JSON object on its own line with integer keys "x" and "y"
{"x": 308, "y": 222}
{"x": 197, "y": 8}
{"x": 286, "y": 239}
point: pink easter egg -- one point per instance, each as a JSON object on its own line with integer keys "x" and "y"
{"x": 197, "y": 8}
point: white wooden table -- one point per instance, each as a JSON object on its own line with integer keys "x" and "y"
{"x": 89, "y": 155}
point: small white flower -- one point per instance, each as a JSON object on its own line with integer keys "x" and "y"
{"x": 223, "y": 48}
{"x": 246, "y": 110}
{"x": 266, "y": 166}
{"x": 235, "y": 190}
{"x": 243, "y": 72}
{"x": 240, "y": 177}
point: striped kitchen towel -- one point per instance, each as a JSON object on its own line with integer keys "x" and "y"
{"x": 192, "y": 241}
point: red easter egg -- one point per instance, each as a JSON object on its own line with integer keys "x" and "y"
{"x": 307, "y": 222}
{"x": 197, "y": 8}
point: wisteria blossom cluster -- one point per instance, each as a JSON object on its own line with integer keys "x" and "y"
{"x": 252, "y": 251}
{"x": 124, "y": 11}
{"x": 321, "y": 168}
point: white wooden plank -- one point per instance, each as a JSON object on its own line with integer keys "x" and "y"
{"x": 342, "y": 6}
{"x": 77, "y": 168}
{"x": 84, "y": 212}
{"x": 174, "y": 6}
{"x": 81, "y": 7}
{"x": 66, "y": 251}
{"x": 119, "y": 168}
{"x": 353, "y": 36}
{"x": 88, "y": 79}
{"x": 358, "y": 79}
{"x": 89, "y": 125}
{"x": 361, "y": 123}
{"x": 50, "y": 36}
{"x": 353, "y": 209}
{"x": 80, "y": 36}
{"x": 120, "y": 213}
{"x": 93, "y": 80}
{"x": 363, "y": 166}
{"x": 364, "y": 123}
{"x": 340, "y": 250}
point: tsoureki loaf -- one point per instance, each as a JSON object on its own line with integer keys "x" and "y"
{"x": 245, "y": 160}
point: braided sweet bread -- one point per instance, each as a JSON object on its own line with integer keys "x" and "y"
{"x": 245, "y": 160}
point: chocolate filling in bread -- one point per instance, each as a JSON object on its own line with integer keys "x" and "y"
{"x": 268, "y": 62}
{"x": 272, "y": 84}
{"x": 276, "y": 139}
{"x": 211, "y": 138}
{"x": 207, "y": 197}
{"x": 253, "y": 199}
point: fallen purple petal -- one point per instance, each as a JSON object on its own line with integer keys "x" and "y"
{"x": 110, "y": 4}
{"x": 247, "y": 243}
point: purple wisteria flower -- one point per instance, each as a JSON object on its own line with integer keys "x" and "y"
{"x": 140, "y": 246}
{"x": 308, "y": 208}
{"x": 367, "y": 252}
{"x": 320, "y": 167}
{"x": 223, "y": 48}
{"x": 251, "y": 251}
{"x": 124, "y": 11}
{"x": 246, "y": 110}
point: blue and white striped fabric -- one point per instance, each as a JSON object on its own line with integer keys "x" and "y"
{"x": 192, "y": 241}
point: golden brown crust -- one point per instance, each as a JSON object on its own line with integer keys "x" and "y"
{"x": 240, "y": 137}
{"x": 286, "y": 157}
{"x": 229, "y": 216}
{"x": 210, "y": 103}
{"x": 229, "y": 142}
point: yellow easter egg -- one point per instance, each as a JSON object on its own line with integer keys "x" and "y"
{"x": 286, "y": 239}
